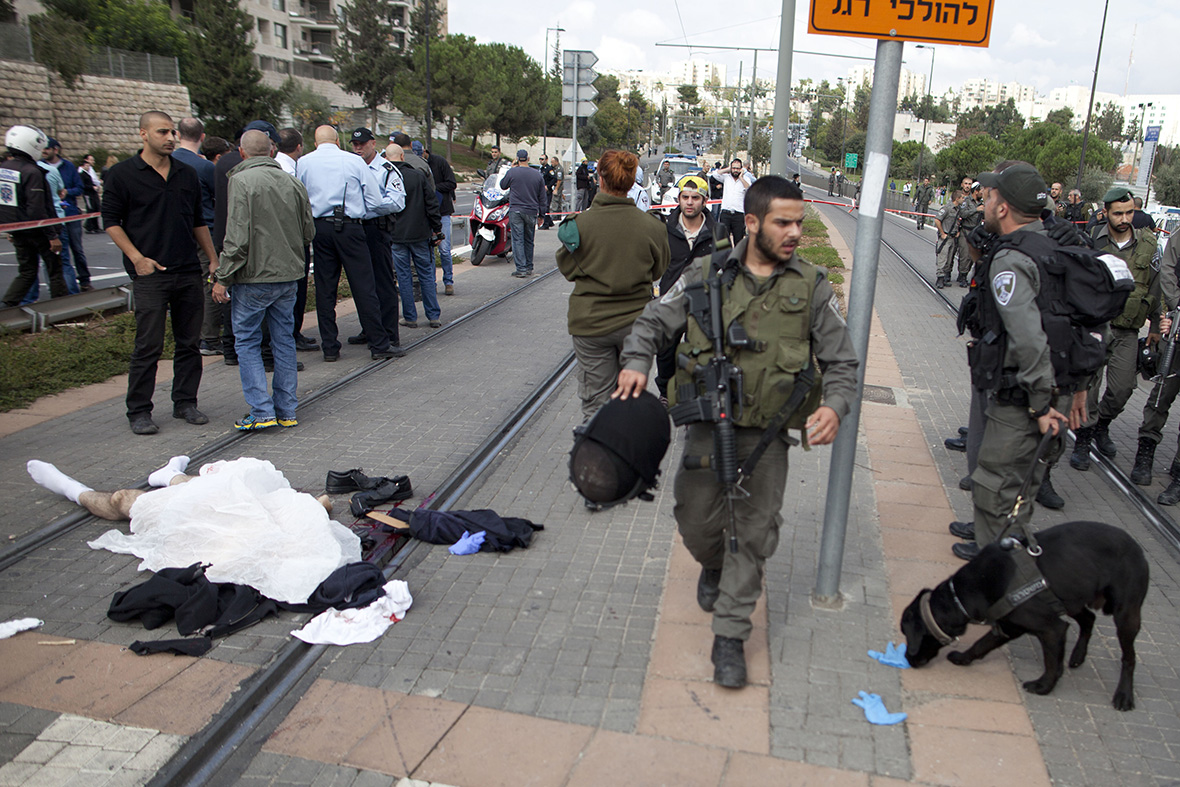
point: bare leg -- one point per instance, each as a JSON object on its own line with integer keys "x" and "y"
{"x": 114, "y": 506}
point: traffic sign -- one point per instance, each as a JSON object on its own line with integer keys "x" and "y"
{"x": 850, "y": 160}
{"x": 577, "y": 88}
{"x": 584, "y": 109}
{"x": 585, "y": 75}
{"x": 967, "y": 22}
{"x": 583, "y": 58}
{"x": 585, "y": 92}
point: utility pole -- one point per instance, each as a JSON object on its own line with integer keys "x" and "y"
{"x": 780, "y": 140}
{"x": 1093, "y": 88}
{"x": 929, "y": 107}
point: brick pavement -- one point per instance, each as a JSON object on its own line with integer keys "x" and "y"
{"x": 1083, "y": 740}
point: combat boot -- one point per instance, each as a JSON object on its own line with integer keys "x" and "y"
{"x": 1171, "y": 495}
{"x": 708, "y": 588}
{"x": 940, "y": 282}
{"x": 962, "y": 281}
{"x": 1102, "y": 440}
{"x": 1080, "y": 459}
{"x": 1047, "y": 496}
{"x": 1144, "y": 457}
{"x": 729, "y": 662}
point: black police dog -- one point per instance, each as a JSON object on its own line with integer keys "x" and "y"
{"x": 1089, "y": 565}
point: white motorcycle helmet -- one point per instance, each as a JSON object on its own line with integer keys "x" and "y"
{"x": 29, "y": 140}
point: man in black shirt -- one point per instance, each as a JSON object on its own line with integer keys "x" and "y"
{"x": 151, "y": 207}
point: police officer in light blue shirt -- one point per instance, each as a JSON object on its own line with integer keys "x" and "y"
{"x": 343, "y": 190}
{"x": 378, "y": 235}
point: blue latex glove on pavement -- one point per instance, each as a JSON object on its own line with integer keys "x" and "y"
{"x": 894, "y": 656}
{"x": 468, "y": 544}
{"x": 875, "y": 709}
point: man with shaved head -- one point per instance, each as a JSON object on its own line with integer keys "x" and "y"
{"x": 268, "y": 224}
{"x": 343, "y": 190}
{"x": 151, "y": 208}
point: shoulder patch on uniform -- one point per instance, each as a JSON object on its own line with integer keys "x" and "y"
{"x": 10, "y": 175}
{"x": 1117, "y": 267}
{"x": 1003, "y": 285}
{"x": 834, "y": 305}
{"x": 675, "y": 292}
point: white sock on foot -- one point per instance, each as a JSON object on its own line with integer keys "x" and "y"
{"x": 55, "y": 480}
{"x": 163, "y": 477}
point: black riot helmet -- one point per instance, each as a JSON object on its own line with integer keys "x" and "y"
{"x": 617, "y": 453}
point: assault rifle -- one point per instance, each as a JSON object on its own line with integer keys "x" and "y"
{"x": 715, "y": 393}
{"x": 719, "y": 380}
{"x": 1164, "y": 370}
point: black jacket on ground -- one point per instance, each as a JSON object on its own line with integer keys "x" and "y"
{"x": 420, "y": 218}
{"x": 682, "y": 253}
{"x": 444, "y": 183}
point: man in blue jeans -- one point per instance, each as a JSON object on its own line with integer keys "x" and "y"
{"x": 526, "y": 206}
{"x": 268, "y": 224}
{"x": 418, "y": 227}
{"x": 71, "y": 232}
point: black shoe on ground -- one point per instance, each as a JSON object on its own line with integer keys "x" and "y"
{"x": 305, "y": 343}
{"x": 1171, "y": 495}
{"x": 963, "y": 530}
{"x": 388, "y": 490}
{"x": 360, "y": 338}
{"x": 348, "y": 481}
{"x": 1101, "y": 439}
{"x": 435, "y": 323}
{"x": 708, "y": 588}
{"x": 519, "y": 275}
{"x": 955, "y": 443}
{"x": 331, "y": 358}
{"x": 86, "y": 287}
{"x": 143, "y": 424}
{"x": 190, "y": 414}
{"x": 385, "y": 355}
{"x": 729, "y": 662}
{"x": 962, "y": 282}
{"x": 1144, "y": 459}
{"x": 1047, "y": 496}
{"x": 939, "y": 282}
{"x": 965, "y": 550}
{"x": 231, "y": 360}
{"x": 966, "y": 484}
{"x": 963, "y": 431}
{"x": 408, "y": 324}
{"x": 210, "y": 348}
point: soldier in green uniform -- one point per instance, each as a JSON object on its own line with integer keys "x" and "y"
{"x": 1137, "y": 248}
{"x": 1027, "y": 404}
{"x": 788, "y": 309}
{"x": 1159, "y": 403}
{"x": 922, "y": 200}
{"x": 970, "y": 216}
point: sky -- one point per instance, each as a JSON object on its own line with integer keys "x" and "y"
{"x": 1044, "y": 44}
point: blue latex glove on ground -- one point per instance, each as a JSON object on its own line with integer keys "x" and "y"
{"x": 894, "y": 656}
{"x": 468, "y": 543}
{"x": 875, "y": 709}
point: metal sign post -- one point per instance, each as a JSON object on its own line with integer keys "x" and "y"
{"x": 577, "y": 100}
{"x": 780, "y": 142}
{"x": 916, "y": 20}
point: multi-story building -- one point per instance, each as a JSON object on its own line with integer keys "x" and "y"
{"x": 986, "y": 93}
{"x": 910, "y": 83}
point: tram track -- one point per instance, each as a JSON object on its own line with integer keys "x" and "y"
{"x": 45, "y": 535}
{"x": 203, "y": 758}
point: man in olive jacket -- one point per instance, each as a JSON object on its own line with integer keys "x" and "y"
{"x": 268, "y": 224}
{"x": 612, "y": 253}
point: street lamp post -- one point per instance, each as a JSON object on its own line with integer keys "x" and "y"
{"x": 928, "y": 108}
{"x": 545, "y": 117}
{"x": 1139, "y": 137}
{"x": 1093, "y": 88}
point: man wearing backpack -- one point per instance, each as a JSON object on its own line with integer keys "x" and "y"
{"x": 1024, "y": 400}
{"x": 1136, "y": 247}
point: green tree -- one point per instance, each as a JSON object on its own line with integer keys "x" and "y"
{"x": 1025, "y": 144}
{"x": 970, "y": 156}
{"x": 219, "y": 71}
{"x": 1062, "y": 117}
{"x": 760, "y": 150}
{"x": 1166, "y": 181}
{"x": 608, "y": 88}
{"x": 839, "y": 129}
{"x": 1058, "y": 158}
{"x": 453, "y": 60}
{"x": 1095, "y": 183}
{"x": 59, "y": 44}
{"x": 860, "y": 106}
{"x": 137, "y": 25}
{"x": 366, "y": 64}
{"x": 1109, "y": 124}
{"x": 689, "y": 98}
{"x": 308, "y": 109}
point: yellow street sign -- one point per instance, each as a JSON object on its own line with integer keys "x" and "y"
{"x": 966, "y": 22}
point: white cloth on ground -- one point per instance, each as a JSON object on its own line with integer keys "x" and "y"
{"x": 352, "y": 626}
{"x": 19, "y": 625}
{"x": 243, "y": 518}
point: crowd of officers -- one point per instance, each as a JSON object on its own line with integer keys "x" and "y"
{"x": 1006, "y": 423}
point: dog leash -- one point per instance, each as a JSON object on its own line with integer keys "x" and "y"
{"x": 1022, "y": 498}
